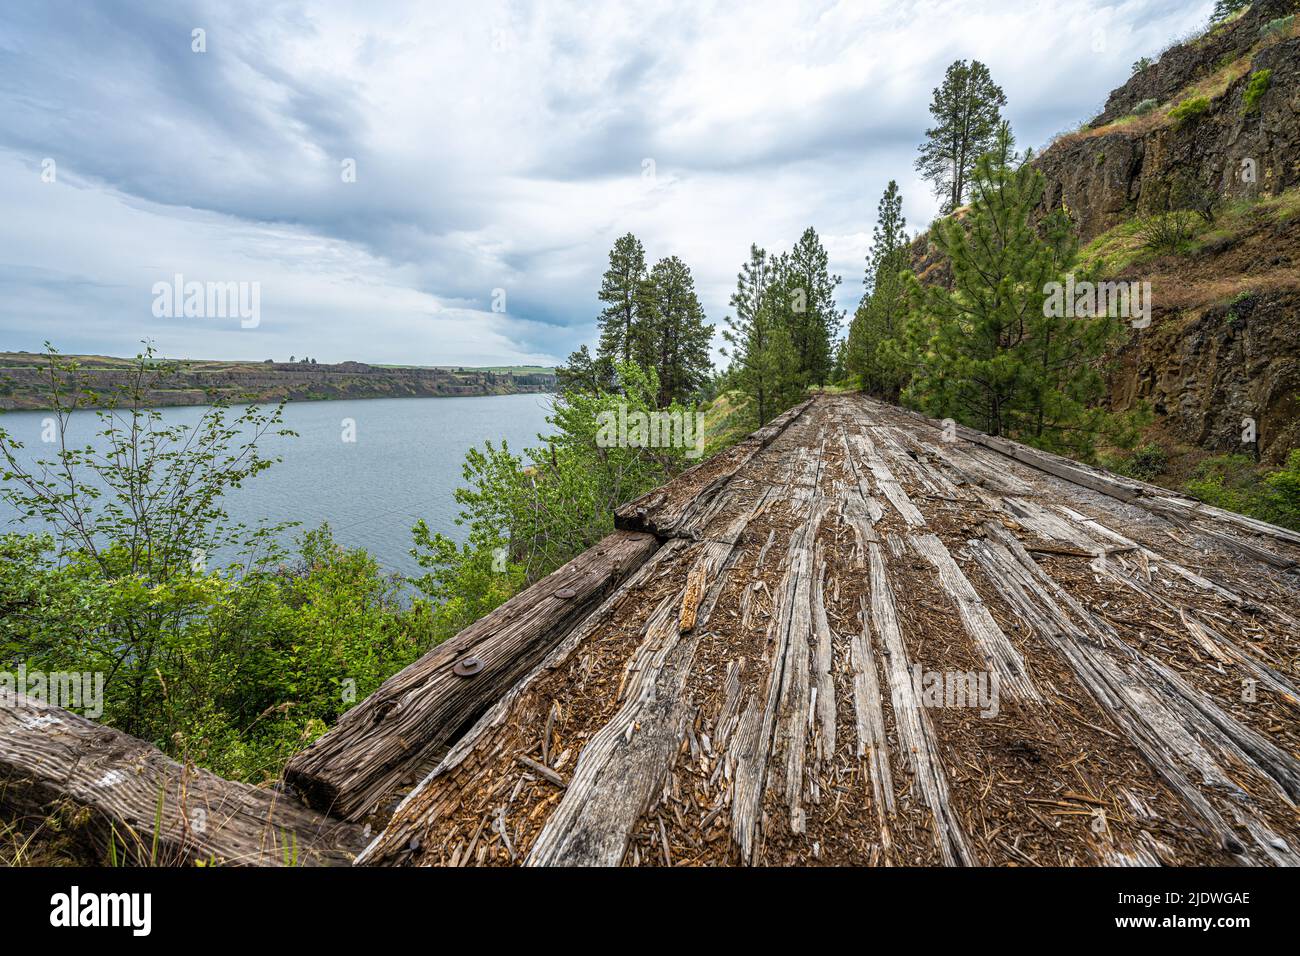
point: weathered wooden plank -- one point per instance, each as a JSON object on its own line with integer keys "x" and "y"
{"x": 866, "y": 451}
{"x": 669, "y": 507}
{"x": 751, "y": 747}
{"x": 154, "y": 811}
{"x": 438, "y": 791}
{"x": 868, "y": 702}
{"x": 915, "y": 735}
{"x": 395, "y": 732}
{"x": 999, "y": 653}
{"x": 1183, "y": 734}
{"x": 624, "y": 764}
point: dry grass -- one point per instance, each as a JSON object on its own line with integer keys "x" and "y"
{"x": 1176, "y": 293}
{"x": 38, "y": 842}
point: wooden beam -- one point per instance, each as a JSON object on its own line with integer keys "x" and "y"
{"x": 439, "y": 793}
{"x": 391, "y": 736}
{"x": 669, "y": 509}
{"x": 124, "y": 792}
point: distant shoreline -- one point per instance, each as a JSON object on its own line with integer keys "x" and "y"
{"x": 24, "y": 383}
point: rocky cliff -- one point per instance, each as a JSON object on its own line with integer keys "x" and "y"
{"x": 1216, "y": 118}
{"x": 1238, "y": 149}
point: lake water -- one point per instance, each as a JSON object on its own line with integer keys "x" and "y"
{"x": 405, "y": 464}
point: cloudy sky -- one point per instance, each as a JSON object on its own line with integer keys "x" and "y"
{"x": 496, "y": 146}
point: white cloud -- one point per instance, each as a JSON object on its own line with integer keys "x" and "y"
{"x": 496, "y": 147}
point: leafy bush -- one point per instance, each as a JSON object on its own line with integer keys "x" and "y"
{"x": 1146, "y": 463}
{"x": 1241, "y": 306}
{"x": 242, "y": 671}
{"x": 1284, "y": 492}
{"x": 1255, "y": 89}
{"x": 526, "y": 520}
{"x": 1188, "y": 110}
{"x": 1235, "y": 483}
{"x": 1145, "y": 106}
{"x": 232, "y": 667}
{"x": 1143, "y": 64}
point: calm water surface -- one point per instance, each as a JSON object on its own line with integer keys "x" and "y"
{"x": 404, "y": 465}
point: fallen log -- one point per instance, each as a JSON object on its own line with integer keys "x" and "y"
{"x": 391, "y": 736}
{"x": 132, "y": 802}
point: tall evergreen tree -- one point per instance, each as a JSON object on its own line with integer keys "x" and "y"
{"x": 838, "y": 371}
{"x": 762, "y": 355}
{"x": 1225, "y": 9}
{"x": 810, "y": 311}
{"x": 582, "y": 373}
{"x": 618, "y": 290}
{"x": 967, "y": 110}
{"x": 878, "y": 319}
{"x": 990, "y": 353}
{"x": 670, "y": 333}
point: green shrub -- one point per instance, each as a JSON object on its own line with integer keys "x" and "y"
{"x": 1143, "y": 64}
{"x": 1146, "y": 106}
{"x": 1242, "y": 304}
{"x": 1284, "y": 492}
{"x": 535, "y": 520}
{"x": 242, "y": 671}
{"x": 1256, "y": 88}
{"x": 1146, "y": 463}
{"x": 1226, "y": 481}
{"x": 1188, "y": 110}
{"x": 1236, "y": 483}
{"x": 232, "y": 667}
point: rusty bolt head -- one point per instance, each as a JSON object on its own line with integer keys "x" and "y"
{"x": 467, "y": 667}
{"x": 565, "y": 593}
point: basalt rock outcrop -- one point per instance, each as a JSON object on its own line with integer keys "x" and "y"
{"x": 1111, "y": 170}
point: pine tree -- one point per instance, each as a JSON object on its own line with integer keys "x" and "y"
{"x": 877, "y": 321}
{"x": 618, "y": 290}
{"x": 582, "y": 373}
{"x": 989, "y": 352}
{"x": 838, "y": 371}
{"x": 670, "y": 333}
{"x": 810, "y": 311}
{"x": 1224, "y": 9}
{"x": 967, "y": 110}
{"x": 762, "y": 355}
